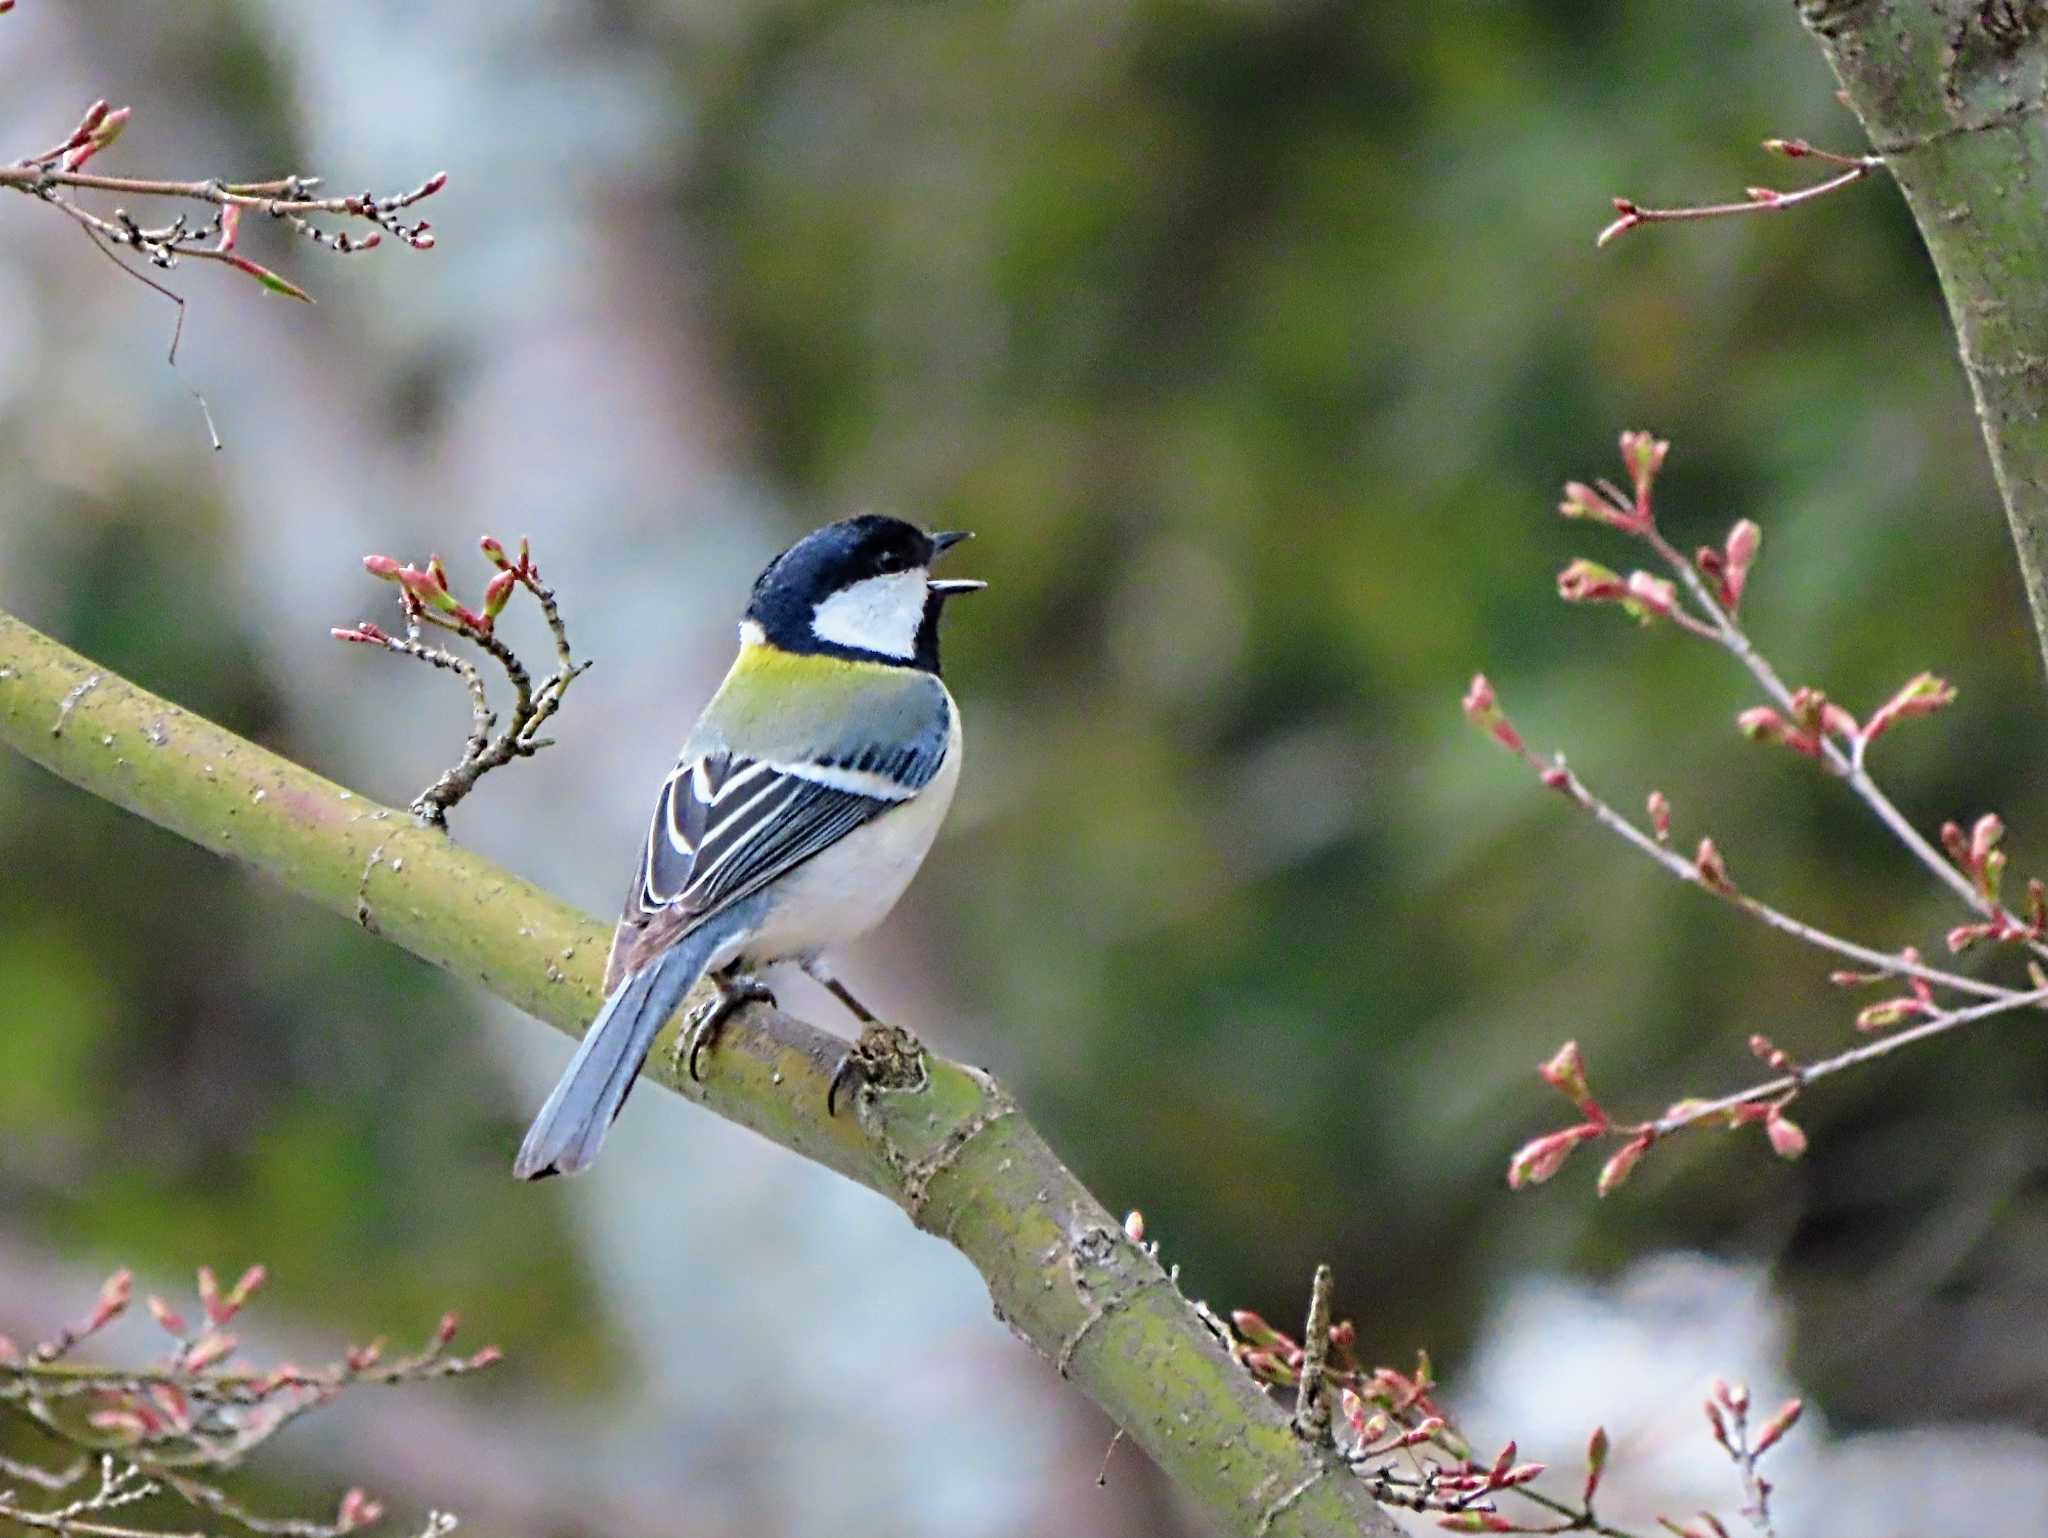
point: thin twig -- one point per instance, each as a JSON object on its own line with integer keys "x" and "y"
{"x": 1558, "y": 776}
{"x": 1761, "y": 200}
{"x": 1312, "y": 1398}
{"x": 1939, "y": 1025}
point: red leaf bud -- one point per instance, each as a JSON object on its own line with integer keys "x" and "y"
{"x": 1711, "y": 869}
{"x": 1566, "y": 1073}
{"x": 1597, "y": 1448}
{"x": 1887, "y": 1013}
{"x": 497, "y": 592}
{"x": 1643, "y": 453}
{"x": 1776, "y": 1427}
{"x": 1589, "y": 582}
{"x": 162, "y": 1312}
{"x": 1922, "y": 696}
{"x": 212, "y": 1347}
{"x": 115, "y": 1293}
{"x": 382, "y": 566}
{"x": 1738, "y": 556}
{"x": 1648, "y": 595}
{"x": 1482, "y": 709}
{"x": 1540, "y": 1158}
{"x": 1788, "y": 1141}
{"x": 1618, "y": 1168}
{"x": 1134, "y": 1226}
{"x": 1660, "y": 816}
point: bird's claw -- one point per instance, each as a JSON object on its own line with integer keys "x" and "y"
{"x": 705, "y": 1022}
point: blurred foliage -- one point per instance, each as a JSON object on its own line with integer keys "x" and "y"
{"x": 1255, "y": 339}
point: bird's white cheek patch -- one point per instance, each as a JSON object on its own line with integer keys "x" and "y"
{"x": 877, "y": 614}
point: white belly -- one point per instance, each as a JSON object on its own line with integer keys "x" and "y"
{"x": 848, "y": 889}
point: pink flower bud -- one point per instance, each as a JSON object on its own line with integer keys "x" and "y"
{"x": 1589, "y": 582}
{"x": 1596, "y": 1463}
{"x": 1775, "y": 1428}
{"x": 450, "y": 1323}
{"x": 497, "y": 593}
{"x": 488, "y": 1357}
{"x": 127, "y": 1425}
{"x": 1737, "y": 556}
{"x": 1984, "y": 838}
{"x": 210, "y": 1348}
{"x": 1644, "y": 454}
{"x": 423, "y": 587}
{"x": 1253, "y": 1327}
{"x": 1957, "y": 846}
{"x": 1483, "y": 710}
{"x": 1788, "y": 1141}
{"x": 1583, "y": 501}
{"x": 434, "y": 184}
{"x": 115, "y": 1294}
{"x": 1660, "y": 816}
{"x": 167, "y": 1317}
{"x": 1630, "y": 217}
{"x": 1648, "y": 595}
{"x": 1618, "y": 1168}
{"x": 357, "y": 1510}
{"x": 1566, "y": 1073}
{"x": 1922, "y": 696}
{"x": 1712, "y": 870}
{"x": 1717, "y": 1423}
{"x": 1353, "y": 1409}
{"x": 494, "y": 553}
{"x": 1479, "y": 1522}
{"x": 1760, "y": 723}
{"x": 246, "y": 1286}
{"x": 1887, "y": 1013}
{"x": 1134, "y": 1226}
{"x": 1540, "y": 1158}
{"x": 382, "y": 566}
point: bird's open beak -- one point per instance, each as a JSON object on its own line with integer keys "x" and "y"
{"x": 946, "y": 587}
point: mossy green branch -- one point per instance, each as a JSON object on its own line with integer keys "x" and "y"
{"x": 1954, "y": 95}
{"x": 954, "y": 1152}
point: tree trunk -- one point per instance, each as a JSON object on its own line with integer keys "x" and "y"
{"x": 1951, "y": 93}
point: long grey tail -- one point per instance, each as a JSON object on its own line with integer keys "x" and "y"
{"x": 571, "y": 1126}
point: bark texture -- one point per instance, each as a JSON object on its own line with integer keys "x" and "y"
{"x": 949, "y": 1148}
{"x": 1952, "y": 94}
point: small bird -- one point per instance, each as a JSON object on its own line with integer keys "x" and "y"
{"x": 803, "y": 802}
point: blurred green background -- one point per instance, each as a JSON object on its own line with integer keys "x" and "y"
{"x": 1254, "y": 339}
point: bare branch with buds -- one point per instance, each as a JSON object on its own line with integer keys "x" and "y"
{"x": 425, "y": 599}
{"x": 1759, "y": 200}
{"x": 58, "y": 174}
{"x": 166, "y": 1428}
{"x": 1393, "y": 1432}
{"x": 1807, "y": 722}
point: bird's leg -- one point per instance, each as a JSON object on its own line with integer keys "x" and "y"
{"x": 852, "y": 1069}
{"x": 735, "y": 988}
{"x": 816, "y": 968}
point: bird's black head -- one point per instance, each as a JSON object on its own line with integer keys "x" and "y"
{"x": 861, "y": 587}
